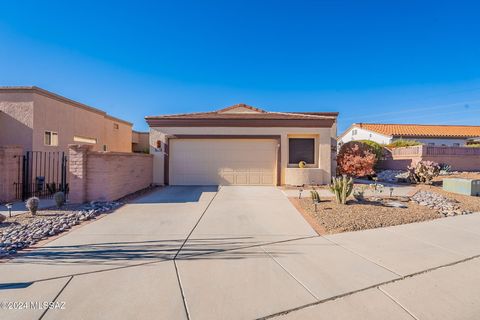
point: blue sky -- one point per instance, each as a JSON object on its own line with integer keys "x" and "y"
{"x": 373, "y": 61}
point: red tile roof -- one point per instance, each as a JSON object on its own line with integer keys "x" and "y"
{"x": 421, "y": 130}
{"x": 257, "y": 114}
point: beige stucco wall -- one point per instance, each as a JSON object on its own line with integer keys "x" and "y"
{"x": 16, "y": 119}
{"x": 118, "y": 140}
{"x": 26, "y": 115}
{"x": 323, "y": 145}
{"x": 140, "y": 141}
{"x": 95, "y": 175}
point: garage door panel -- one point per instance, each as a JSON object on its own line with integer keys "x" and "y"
{"x": 224, "y": 162}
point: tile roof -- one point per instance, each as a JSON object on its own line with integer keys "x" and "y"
{"x": 257, "y": 114}
{"x": 421, "y": 130}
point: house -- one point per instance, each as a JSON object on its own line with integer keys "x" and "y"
{"x": 243, "y": 145}
{"x": 39, "y": 120}
{"x": 432, "y": 135}
{"x": 140, "y": 143}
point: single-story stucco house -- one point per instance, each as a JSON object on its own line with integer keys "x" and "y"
{"x": 243, "y": 145}
{"x": 40, "y": 120}
{"x": 432, "y": 135}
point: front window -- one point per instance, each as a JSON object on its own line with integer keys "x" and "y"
{"x": 301, "y": 149}
{"x": 50, "y": 138}
{"x": 456, "y": 144}
{"x": 431, "y": 144}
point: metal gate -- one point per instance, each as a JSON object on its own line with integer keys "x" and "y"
{"x": 43, "y": 174}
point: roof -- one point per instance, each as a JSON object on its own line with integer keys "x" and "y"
{"x": 244, "y": 115}
{"x": 421, "y": 130}
{"x": 228, "y": 113}
{"x": 46, "y": 93}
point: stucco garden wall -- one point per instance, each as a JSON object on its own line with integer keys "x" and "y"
{"x": 10, "y": 162}
{"x": 459, "y": 158}
{"x": 106, "y": 176}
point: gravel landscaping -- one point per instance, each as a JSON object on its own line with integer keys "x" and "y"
{"x": 24, "y": 230}
{"x": 439, "y": 203}
{"x": 334, "y": 218}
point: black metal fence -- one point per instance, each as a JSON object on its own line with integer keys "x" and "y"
{"x": 43, "y": 174}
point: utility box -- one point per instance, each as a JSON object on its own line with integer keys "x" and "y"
{"x": 469, "y": 187}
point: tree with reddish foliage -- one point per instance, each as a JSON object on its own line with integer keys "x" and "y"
{"x": 356, "y": 159}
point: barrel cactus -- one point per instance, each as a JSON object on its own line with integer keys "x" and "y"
{"x": 32, "y": 205}
{"x": 59, "y": 199}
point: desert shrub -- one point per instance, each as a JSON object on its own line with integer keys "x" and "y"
{"x": 403, "y": 143}
{"x": 356, "y": 159}
{"x": 342, "y": 188}
{"x": 32, "y": 205}
{"x": 375, "y": 147}
{"x": 359, "y": 193}
{"x": 423, "y": 172}
{"x": 59, "y": 199}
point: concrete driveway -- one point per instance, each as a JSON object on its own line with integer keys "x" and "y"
{"x": 244, "y": 253}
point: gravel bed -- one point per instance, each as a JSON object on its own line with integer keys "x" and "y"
{"x": 392, "y": 176}
{"x": 439, "y": 203}
{"x": 22, "y": 231}
{"x": 467, "y": 203}
{"x": 335, "y": 218}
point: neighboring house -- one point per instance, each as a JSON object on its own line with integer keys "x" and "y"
{"x": 432, "y": 135}
{"x": 243, "y": 145}
{"x": 140, "y": 142}
{"x": 39, "y": 120}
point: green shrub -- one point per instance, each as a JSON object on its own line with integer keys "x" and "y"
{"x": 375, "y": 147}
{"x": 32, "y": 205}
{"x": 403, "y": 143}
{"x": 473, "y": 145}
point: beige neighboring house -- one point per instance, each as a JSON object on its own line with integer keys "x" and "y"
{"x": 140, "y": 142}
{"x": 39, "y": 120}
{"x": 243, "y": 145}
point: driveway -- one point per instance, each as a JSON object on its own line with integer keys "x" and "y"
{"x": 245, "y": 253}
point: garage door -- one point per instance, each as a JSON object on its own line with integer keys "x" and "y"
{"x": 222, "y": 162}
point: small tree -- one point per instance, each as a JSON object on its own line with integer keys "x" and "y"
{"x": 355, "y": 159}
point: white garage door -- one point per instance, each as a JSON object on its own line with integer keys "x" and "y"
{"x": 222, "y": 162}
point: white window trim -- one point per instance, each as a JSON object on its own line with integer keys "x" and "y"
{"x": 53, "y": 142}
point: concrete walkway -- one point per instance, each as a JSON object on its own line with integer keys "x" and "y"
{"x": 245, "y": 253}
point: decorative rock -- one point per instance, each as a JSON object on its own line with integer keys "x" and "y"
{"x": 17, "y": 237}
{"x": 395, "y": 204}
{"x": 439, "y": 203}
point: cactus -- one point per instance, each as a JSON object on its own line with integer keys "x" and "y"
{"x": 342, "y": 187}
{"x": 315, "y": 196}
{"x": 32, "y": 205}
{"x": 423, "y": 172}
{"x": 59, "y": 199}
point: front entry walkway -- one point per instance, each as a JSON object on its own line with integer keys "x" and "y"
{"x": 245, "y": 253}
